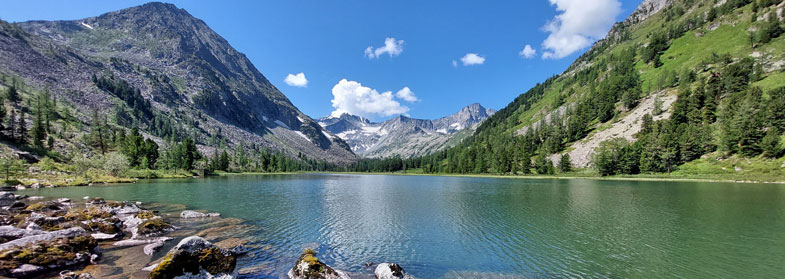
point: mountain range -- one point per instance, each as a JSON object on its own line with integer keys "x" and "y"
{"x": 404, "y": 136}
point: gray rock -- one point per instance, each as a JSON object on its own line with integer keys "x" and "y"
{"x": 26, "y": 270}
{"x": 7, "y": 198}
{"x": 390, "y": 271}
{"x": 136, "y": 242}
{"x": 189, "y": 214}
{"x": 149, "y": 249}
{"x": 70, "y": 232}
{"x": 104, "y": 236}
{"x": 213, "y": 261}
{"x": 306, "y": 269}
{"x": 11, "y": 232}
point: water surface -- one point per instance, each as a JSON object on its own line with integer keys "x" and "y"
{"x": 459, "y": 227}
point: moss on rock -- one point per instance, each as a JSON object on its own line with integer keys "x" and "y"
{"x": 154, "y": 226}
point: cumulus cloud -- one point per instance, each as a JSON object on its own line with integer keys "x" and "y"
{"x": 578, "y": 24}
{"x": 406, "y": 94}
{"x": 528, "y": 52}
{"x": 472, "y": 59}
{"x": 297, "y": 80}
{"x": 353, "y": 98}
{"x": 391, "y": 47}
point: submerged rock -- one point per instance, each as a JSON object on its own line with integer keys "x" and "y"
{"x": 189, "y": 214}
{"x": 136, "y": 242}
{"x": 7, "y": 198}
{"x": 390, "y": 271}
{"x": 195, "y": 257}
{"x": 26, "y": 270}
{"x": 308, "y": 266}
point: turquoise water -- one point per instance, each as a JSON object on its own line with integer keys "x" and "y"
{"x": 487, "y": 227}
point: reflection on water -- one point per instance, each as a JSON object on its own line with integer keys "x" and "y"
{"x": 489, "y": 228}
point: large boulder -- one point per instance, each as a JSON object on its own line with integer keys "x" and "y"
{"x": 195, "y": 257}
{"x": 45, "y": 253}
{"x": 390, "y": 271}
{"x": 308, "y": 266}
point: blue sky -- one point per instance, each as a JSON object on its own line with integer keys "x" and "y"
{"x": 327, "y": 41}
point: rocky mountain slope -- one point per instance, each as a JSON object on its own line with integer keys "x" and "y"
{"x": 403, "y": 136}
{"x": 192, "y": 82}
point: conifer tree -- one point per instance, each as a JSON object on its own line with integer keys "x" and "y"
{"x": 565, "y": 165}
{"x": 38, "y": 133}
{"x": 22, "y": 128}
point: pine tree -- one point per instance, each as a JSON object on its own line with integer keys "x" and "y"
{"x": 565, "y": 165}
{"x": 97, "y": 133}
{"x": 22, "y": 128}
{"x": 770, "y": 143}
{"x": 12, "y": 94}
{"x": 11, "y": 124}
{"x": 38, "y": 133}
{"x": 2, "y": 113}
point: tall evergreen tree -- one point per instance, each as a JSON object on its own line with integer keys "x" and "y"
{"x": 22, "y": 128}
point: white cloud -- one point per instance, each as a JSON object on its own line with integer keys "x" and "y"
{"x": 579, "y": 24}
{"x": 353, "y": 98}
{"x": 472, "y": 59}
{"x": 454, "y": 63}
{"x": 528, "y": 52}
{"x": 406, "y": 94}
{"x": 297, "y": 80}
{"x": 391, "y": 47}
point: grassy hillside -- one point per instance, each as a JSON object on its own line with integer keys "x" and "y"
{"x": 722, "y": 59}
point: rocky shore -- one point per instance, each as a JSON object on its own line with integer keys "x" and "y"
{"x": 95, "y": 238}
{"x": 50, "y": 238}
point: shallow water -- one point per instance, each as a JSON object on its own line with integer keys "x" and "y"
{"x": 459, "y": 227}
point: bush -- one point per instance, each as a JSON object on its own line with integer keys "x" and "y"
{"x": 46, "y": 164}
{"x": 115, "y": 163}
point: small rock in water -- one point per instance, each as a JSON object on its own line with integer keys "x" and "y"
{"x": 390, "y": 271}
{"x": 26, "y": 270}
{"x": 308, "y": 266}
{"x": 149, "y": 249}
{"x": 104, "y": 236}
{"x": 188, "y": 214}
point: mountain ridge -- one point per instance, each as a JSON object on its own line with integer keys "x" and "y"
{"x": 405, "y": 136}
{"x": 192, "y": 77}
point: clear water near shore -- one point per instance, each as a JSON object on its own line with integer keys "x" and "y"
{"x": 462, "y": 227}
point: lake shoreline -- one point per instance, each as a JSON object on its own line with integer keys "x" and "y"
{"x": 606, "y": 178}
{"x": 33, "y": 182}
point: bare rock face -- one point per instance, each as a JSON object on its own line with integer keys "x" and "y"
{"x": 390, "y": 271}
{"x": 308, "y": 266}
{"x": 195, "y": 257}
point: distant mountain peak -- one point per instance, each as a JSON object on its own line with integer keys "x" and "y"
{"x": 403, "y": 135}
